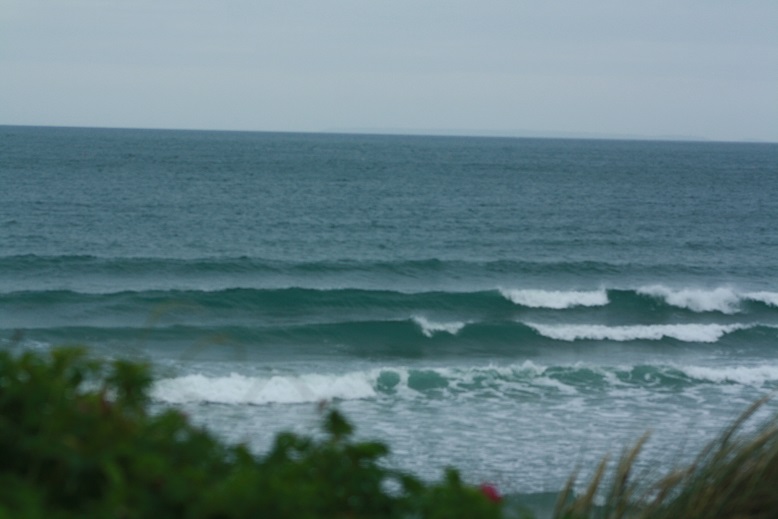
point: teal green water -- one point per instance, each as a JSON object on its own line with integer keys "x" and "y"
{"x": 516, "y": 307}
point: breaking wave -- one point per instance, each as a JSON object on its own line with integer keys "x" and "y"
{"x": 556, "y": 299}
{"x": 521, "y": 380}
{"x": 682, "y": 332}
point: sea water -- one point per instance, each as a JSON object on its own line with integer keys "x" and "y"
{"x": 518, "y": 308}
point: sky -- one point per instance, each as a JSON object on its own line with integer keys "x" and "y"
{"x": 692, "y": 69}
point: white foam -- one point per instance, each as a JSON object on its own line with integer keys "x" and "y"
{"x": 720, "y": 299}
{"x": 554, "y": 384}
{"x": 527, "y": 368}
{"x": 681, "y": 332}
{"x": 429, "y": 328}
{"x": 556, "y": 299}
{"x": 768, "y": 298}
{"x": 240, "y": 389}
{"x": 460, "y": 382}
{"x": 749, "y": 376}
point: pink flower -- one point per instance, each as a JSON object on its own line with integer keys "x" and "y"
{"x": 491, "y": 492}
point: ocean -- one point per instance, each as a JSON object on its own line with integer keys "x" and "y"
{"x": 517, "y": 308}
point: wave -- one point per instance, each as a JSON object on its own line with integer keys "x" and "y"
{"x": 429, "y": 328}
{"x": 496, "y": 303}
{"x": 724, "y": 300}
{"x": 240, "y": 389}
{"x": 412, "y": 337}
{"x": 556, "y": 299}
{"x": 393, "y": 337}
{"x": 744, "y": 375}
{"x": 521, "y": 380}
{"x": 377, "y": 336}
{"x": 97, "y": 273}
{"x": 28, "y": 262}
{"x": 768, "y": 298}
{"x": 705, "y": 333}
{"x": 293, "y": 298}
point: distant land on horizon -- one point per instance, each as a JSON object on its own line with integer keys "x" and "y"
{"x": 431, "y": 132}
{"x": 529, "y": 134}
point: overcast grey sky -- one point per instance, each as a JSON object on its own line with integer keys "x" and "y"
{"x": 655, "y": 68}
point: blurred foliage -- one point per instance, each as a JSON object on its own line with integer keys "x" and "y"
{"x": 77, "y": 440}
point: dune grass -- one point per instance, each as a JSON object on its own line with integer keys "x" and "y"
{"x": 733, "y": 477}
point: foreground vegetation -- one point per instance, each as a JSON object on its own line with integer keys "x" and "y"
{"x": 77, "y": 440}
{"x": 734, "y": 477}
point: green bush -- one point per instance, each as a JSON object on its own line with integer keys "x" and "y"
{"x": 77, "y": 440}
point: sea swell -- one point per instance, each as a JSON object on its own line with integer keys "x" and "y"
{"x": 97, "y": 274}
{"x": 413, "y": 336}
{"x": 500, "y": 301}
{"x": 384, "y": 320}
{"x": 701, "y": 333}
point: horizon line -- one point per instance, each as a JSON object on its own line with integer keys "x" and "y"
{"x": 424, "y": 132}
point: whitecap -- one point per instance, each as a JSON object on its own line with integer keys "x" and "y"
{"x": 745, "y": 375}
{"x": 681, "y": 332}
{"x": 724, "y": 300}
{"x": 429, "y": 328}
{"x": 556, "y": 299}
{"x": 241, "y": 389}
{"x": 768, "y": 298}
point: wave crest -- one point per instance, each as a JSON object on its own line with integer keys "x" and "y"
{"x": 768, "y": 298}
{"x": 724, "y": 300}
{"x": 556, "y": 299}
{"x": 708, "y": 333}
{"x": 240, "y": 389}
{"x": 521, "y": 380}
{"x": 429, "y": 328}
